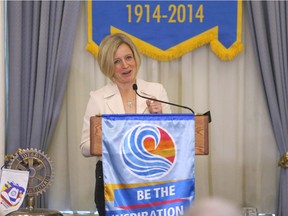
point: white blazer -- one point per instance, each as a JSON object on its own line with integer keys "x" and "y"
{"x": 107, "y": 100}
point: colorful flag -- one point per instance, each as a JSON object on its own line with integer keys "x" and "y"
{"x": 165, "y": 30}
{"x": 13, "y": 189}
{"x": 148, "y": 163}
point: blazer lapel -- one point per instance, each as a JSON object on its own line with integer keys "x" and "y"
{"x": 113, "y": 100}
{"x": 141, "y": 105}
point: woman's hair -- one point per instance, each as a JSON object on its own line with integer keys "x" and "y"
{"x": 107, "y": 50}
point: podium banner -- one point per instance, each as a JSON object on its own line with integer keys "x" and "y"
{"x": 148, "y": 163}
{"x": 165, "y": 30}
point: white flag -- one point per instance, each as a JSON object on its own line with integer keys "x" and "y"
{"x": 13, "y": 188}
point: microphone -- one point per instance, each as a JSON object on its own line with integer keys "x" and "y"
{"x": 135, "y": 87}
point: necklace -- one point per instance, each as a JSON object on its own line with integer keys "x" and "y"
{"x": 130, "y": 104}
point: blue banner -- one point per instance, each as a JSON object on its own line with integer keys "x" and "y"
{"x": 148, "y": 163}
{"x": 165, "y": 30}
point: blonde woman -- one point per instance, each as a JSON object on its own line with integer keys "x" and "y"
{"x": 119, "y": 60}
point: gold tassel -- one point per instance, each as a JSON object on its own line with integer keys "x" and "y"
{"x": 283, "y": 162}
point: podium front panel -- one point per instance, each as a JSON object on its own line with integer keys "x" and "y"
{"x": 201, "y": 135}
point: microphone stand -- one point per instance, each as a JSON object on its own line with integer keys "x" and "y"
{"x": 135, "y": 87}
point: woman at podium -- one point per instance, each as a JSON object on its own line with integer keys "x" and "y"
{"x": 119, "y": 60}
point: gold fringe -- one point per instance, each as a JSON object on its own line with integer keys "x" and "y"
{"x": 224, "y": 53}
{"x": 173, "y": 52}
{"x": 186, "y": 46}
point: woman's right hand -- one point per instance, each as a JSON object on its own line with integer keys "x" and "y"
{"x": 154, "y": 107}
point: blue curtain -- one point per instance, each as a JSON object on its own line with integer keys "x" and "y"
{"x": 41, "y": 36}
{"x": 269, "y": 27}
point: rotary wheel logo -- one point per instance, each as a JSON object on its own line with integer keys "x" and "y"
{"x": 39, "y": 166}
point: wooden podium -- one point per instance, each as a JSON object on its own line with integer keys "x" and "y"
{"x": 201, "y": 135}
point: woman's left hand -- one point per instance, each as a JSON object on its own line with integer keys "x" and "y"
{"x": 154, "y": 106}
